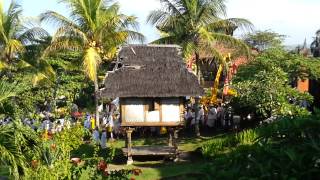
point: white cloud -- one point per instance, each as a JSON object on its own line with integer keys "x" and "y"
{"x": 294, "y": 18}
{"x": 141, "y": 9}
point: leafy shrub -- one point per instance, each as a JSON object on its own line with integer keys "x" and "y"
{"x": 288, "y": 148}
{"x": 264, "y": 85}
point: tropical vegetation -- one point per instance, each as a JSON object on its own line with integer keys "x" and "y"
{"x": 43, "y": 75}
{"x": 95, "y": 29}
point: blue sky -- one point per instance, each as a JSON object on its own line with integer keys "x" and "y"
{"x": 295, "y": 18}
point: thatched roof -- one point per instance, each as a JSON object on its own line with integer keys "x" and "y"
{"x": 151, "y": 71}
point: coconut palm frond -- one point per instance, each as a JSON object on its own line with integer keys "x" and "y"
{"x": 33, "y": 35}
{"x": 16, "y": 143}
{"x": 70, "y": 32}
{"x": 158, "y": 17}
{"x": 229, "y": 25}
{"x": 173, "y": 7}
{"x": 56, "y": 19}
{"x": 9, "y": 151}
{"x": 133, "y": 36}
{"x": 91, "y": 61}
{"x": 14, "y": 46}
{"x": 64, "y": 43}
{"x": 233, "y": 43}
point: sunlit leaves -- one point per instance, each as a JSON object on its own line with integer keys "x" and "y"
{"x": 91, "y": 61}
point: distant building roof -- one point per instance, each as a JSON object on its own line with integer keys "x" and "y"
{"x": 151, "y": 71}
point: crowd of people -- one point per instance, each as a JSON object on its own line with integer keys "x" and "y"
{"x": 212, "y": 117}
{"x": 109, "y": 127}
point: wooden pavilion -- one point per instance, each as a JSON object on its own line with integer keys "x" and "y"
{"x": 152, "y": 83}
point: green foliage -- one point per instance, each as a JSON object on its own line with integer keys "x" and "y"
{"x": 226, "y": 143}
{"x": 8, "y": 90}
{"x": 263, "y": 40}
{"x": 70, "y": 139}
{"x": 55, "y": 155}
{"x": 288, "y": 148}
{"x": 264, "y": 84}
{"x": 18, "y": 144}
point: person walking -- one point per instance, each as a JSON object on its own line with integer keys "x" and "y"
{"x": 188, "y": 117}
{"x": 110, "y": 125}
{"x": 220, "y": 115}
{"x": 96, "y": 136}
{"x": 93, "y": 123}
{"x": 103, "y": 140}
{"x": 212, "y": 117}
{"x": 87, "y": 121}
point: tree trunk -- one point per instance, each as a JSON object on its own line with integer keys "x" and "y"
{"x": 197, "y": 67}
{"x": 96, "y": 89}
{"x": 196, "y": 108}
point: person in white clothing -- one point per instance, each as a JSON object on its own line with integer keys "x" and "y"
{"x": 212, "y": 117}
{"x": 200, "y": 117}
{"x": 117, "y": 125}
{"x": 104, "y": 121}
{"x": 188, "y": 117}
{"x": 110, "y": 125}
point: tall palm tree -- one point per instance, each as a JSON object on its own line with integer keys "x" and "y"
{"x": 10, "y": 25}
{"x": 15, "y": 37}
{"x": 198, "y": 26}
{"x": 94, "y": 28}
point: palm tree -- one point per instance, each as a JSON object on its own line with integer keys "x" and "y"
{"x": 96, "y": 29}
{"x": 10, "y": 25}
{"x": 197, "y": 26}
{"x": 15, "y": 38}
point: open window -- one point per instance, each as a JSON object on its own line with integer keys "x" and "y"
{"x": 153, "y": 104}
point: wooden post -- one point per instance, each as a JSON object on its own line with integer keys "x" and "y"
{"x": 175, "y": 144}
{"x": 129, "y": 146}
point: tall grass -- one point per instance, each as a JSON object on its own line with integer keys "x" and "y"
{"x": 225, "y": 144}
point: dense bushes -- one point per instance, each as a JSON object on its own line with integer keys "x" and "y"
{"x": 288, "y": 148}
{"x": 26, "y": 154}
{"x": 264, "y": 85}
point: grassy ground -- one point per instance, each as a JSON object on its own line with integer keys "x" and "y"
{"x": 158, "y": 170}
{"x": 190, "y": 165}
